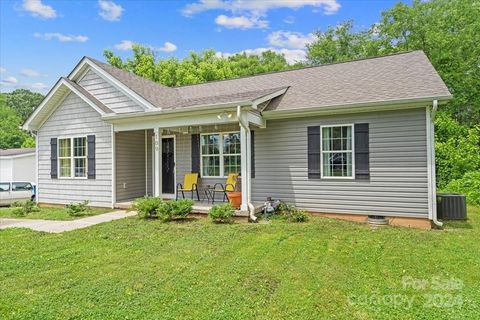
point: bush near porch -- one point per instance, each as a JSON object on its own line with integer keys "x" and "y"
{"x": 322, "y": 268}
{"x": 154, "y": 207}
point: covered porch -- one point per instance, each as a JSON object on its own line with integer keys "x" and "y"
{"x": 153, "y": 154}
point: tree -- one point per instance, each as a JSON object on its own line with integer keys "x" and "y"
{"x": 23, "y": 102}
{"x": 11, "y": 136}
{"x": 197, "y": 67}
{"x": 339, "y": 44}
{"x": 448, "y": 31}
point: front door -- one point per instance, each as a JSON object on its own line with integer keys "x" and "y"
{"x": 168, "y": 165}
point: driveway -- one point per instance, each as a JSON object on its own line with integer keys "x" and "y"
{"x": 56, "y": 226}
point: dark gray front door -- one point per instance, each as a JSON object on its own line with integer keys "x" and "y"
{"x": 168, "y": 165}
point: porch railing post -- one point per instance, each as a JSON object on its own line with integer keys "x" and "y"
{"x": 158, "y": 161}
{"x": 244, "y": 167}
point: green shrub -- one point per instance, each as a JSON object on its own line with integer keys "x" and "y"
{"x": 18, "y": 212}
{"x": 291, "y": 213}
{"x": 182, "y": 208}
{"x": 297, "y": 215}
{"x": 468, "y": 185}
{"x": 16, "y": 204}
{"x": 147, "y": 206}
{"x": 23, "y": 208}
{"x": 221, "y": 213}
{"x": 175, "y": 209}
{"x": 30, "y": 206}
{"x": 165, "y": 211}
{"x": 77, "y": 209}
{"x": 284, "y": 208}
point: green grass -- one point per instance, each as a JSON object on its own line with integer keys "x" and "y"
{"x": 145, "y": 269}
{"x": 50, "y": 213}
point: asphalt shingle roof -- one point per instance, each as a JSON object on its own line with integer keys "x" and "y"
{"x": 395, "y": 77}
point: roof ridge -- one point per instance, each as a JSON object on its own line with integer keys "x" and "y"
{"x": 301, "y": 68}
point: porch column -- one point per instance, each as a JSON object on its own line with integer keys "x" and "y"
{"x": 158, "y": 162}
{"x": 244, "y": 149}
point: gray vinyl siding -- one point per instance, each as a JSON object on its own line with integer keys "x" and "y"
{"x": 72, "y": 118}
{"x": 398, "y": 183}
{"x": 130, "y": 164}
{"x": 108, "y": 94}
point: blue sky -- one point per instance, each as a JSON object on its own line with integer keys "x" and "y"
{"x": 41, "y": 40}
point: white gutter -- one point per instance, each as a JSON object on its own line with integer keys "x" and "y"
{"x": 251, "y": 208}
{"x": 433, "y": 181}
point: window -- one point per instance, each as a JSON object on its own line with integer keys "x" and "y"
{"x": 72, "y": 157}
{"x": 337, "y": 151}
{"x": 4, "y": 186}
{"x": 220, "y": 154}
{"x": 231, "y": 153}
{"x": 21, "y": 186}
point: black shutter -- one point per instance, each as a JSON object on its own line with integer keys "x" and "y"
{"x": 53, "y": 158}
{"x": 362, "y": 161}
{"x": 196, "y": 153}
{"x": 313, "y": 135}
{"x": 91, "y": 156}
{"x": 252, "y": 154}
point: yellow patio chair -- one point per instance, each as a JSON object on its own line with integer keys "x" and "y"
{"x": 229, "y": 186}
{"x": 190, "y": 183}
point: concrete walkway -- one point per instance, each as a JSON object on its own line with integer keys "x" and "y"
{"x": 57, "y": 226}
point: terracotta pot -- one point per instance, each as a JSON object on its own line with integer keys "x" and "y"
{"x": 235, "y": 199}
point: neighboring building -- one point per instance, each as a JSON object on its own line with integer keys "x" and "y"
{"x": 17, "y": 165}
{"x": 348, "y": 138}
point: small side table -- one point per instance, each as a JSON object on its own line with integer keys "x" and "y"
{"x": 208, "y": 193}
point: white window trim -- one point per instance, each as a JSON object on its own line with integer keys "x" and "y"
{"x": 221, "y": 154}
{"x": 72, "y": 162}
{"x": 353, "y": 152}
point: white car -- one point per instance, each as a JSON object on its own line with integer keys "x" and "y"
{"x": 16, "y": 191}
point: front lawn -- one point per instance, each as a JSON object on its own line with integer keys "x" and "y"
{"x": 145, "y": 269}
{"x": 51, "y": 213}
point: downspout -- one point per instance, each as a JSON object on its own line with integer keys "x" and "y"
{"x": 433, "y": 180}
{"x": 251, "y": 208}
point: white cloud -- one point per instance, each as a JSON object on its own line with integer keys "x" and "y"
{"x": 38, "y": 9}
{"x": 60, "y": 37}
{"x": 289, "y": 19}
{"x": 241, "y": 22}
{"x": 167, "y": 47}
{"x": 9, "y": 81}
{"x": 126, "y": 45}
{"x": 109, "y": 10}
{"x": 2, "y": 70}
{"x": 291, "y": 55}
{"x": 258, "y": 8}
{"x": 38, "y": 86}
{"x": 31, "y": 73}
{"x": 287, "y": 39}
{"x": 248, "y": 14}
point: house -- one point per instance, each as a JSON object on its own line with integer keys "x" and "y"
{"x": 17, "y": 165}
{"x": 352, "y": 138}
